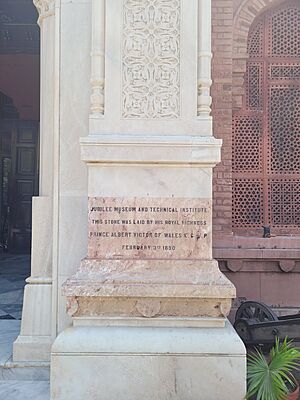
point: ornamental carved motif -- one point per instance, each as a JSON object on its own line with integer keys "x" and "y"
{"x": 148, "y": 308}
{"x": 151, "y": 59}
{"x": 45, "y": 7}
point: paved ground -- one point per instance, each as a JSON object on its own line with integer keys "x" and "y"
{"x": 25, "y": 390}
{"x": 14, "y": 269}
{"x": 9, "y": 331}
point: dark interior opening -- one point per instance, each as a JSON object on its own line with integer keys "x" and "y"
{"x": 19, "y": 122}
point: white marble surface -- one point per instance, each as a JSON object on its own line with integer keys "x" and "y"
{"x": 36, "y": 321}
{"x": 74, "y": 233}
{"x": 153, "y": 181}
{"x": 34, "y": 341}
{"x": 186, "y": 51}
{"x": 24, "y": 390}
{"x": 149, "y": 149}
{"x": 148, "y": 363}
{"x": 70, "y": 214}
{"x": 149, "y": 378}
{"x": 41, "y": 251}
{"x": 91, "y": 339}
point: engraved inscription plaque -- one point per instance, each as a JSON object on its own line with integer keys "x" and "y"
{"x": 149, "y": 228}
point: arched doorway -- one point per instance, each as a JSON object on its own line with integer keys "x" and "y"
{"x": 266, "y": 132}
{"x": 19, "y": 120}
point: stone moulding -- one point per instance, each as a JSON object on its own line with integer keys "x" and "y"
{"x": 202, "y": 151}
{"x": 148, "y": 288}
{"x": 163, "y": 322}
{"x": 104, "y": 307}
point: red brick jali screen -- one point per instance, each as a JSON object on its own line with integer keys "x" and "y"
{"x": 266, "y": 131}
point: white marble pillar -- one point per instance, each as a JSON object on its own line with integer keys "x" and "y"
{"x": 97, "y": 57}
{"x": 204, "y": 58}
{"x": 148, "y": 303}
{"x": 34, "y": 341}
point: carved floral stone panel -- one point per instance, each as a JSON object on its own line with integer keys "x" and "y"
{"x": 151, "y": 59}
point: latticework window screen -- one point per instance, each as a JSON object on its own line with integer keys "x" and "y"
{"x": 266, "y": 132}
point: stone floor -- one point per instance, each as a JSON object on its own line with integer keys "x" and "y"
{"x": 15, "y": 381}
{"x": 14, "y": 269}
{"x": 9, "y": 330}
{"x": 18, "y": 388}
{"x": 24, "y": 390}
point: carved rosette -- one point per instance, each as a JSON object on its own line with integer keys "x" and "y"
{"x": 148, "y": 308}
{"x": 45, "y": 8}
{"x": 151, "y": 59}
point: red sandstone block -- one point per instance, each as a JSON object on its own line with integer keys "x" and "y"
{"x": 221, "y": 221}
{"x": 217, "y": 228}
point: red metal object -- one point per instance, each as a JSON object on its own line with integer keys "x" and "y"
{"x": 266, "y": 132}
{"x": 294, "y": 395}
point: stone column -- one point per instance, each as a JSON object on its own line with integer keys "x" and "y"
{"x": 34, "y": 341}
{"x": 97, "y": 58}
{"x": 204, "y": 58}
{"x": 149, "y": 303}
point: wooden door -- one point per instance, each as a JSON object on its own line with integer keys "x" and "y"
{"x": 5, "y": 173}
{"x": 22, "y": 176}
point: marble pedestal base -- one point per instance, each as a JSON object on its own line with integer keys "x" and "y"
{"x": 96, "y": 362}
{"x": 34, "y": 341}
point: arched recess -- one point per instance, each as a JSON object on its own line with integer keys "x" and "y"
{"x": 266, "y": 122}
{"x": 245, "y": 13}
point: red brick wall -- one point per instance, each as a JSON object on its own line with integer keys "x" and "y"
{"x": 266, "y": 270}
{"x": 222, "y": 41}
